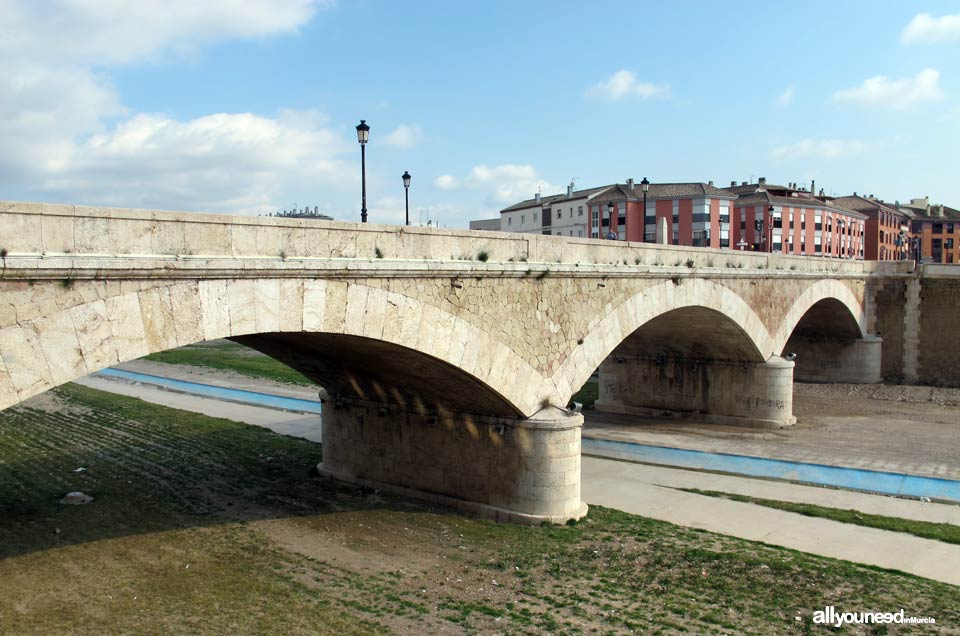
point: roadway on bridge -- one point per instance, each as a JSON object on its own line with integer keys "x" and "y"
{"x": 655, "y": 491}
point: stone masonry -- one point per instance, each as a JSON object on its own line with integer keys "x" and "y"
{"x": 446, "y": 339}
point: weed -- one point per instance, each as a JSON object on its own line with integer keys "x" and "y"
{"x": 378, "y": 252}
{"x": 690, "y": 262}
{"x": 637, "y": 261}
{"x": 283, "y": 255}
{"x": 66, "y": 283}
{"x": 3, "y": 253}
{"x": 483, "y": 256}
{"x": 543, "y": 274}
{"x": 675, "y": 280}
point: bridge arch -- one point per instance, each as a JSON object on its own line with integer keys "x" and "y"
{"x": 437, "y": 359}
{"x": 664, "y": 306}
{"x": 830, "y": 299}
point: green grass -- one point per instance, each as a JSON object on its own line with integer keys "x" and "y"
{"x": 272, "y": 549}
{"x": 945, "y": 532}
{"x": 230, "y": 356}
{"x": 587, "y": 395}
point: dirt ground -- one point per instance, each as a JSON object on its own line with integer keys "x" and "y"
{"x": 906, "y": 429}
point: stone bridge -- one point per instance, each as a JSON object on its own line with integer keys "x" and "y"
{"x": 447, "y": 358}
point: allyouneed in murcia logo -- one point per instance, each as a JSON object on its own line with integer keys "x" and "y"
{"x": 830, "y": 616}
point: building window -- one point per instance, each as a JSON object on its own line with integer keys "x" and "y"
{"x": 559, "y": 213}
{"x": 676, "y": 214}
{"x": 534, "y": 217}
{"x": 580, "y": 210}
{"x": 509, "y": 220}
{"x": 938, "y": 228}
{"x": 523, "y": 218}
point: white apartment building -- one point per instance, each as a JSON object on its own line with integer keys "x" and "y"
{"x": 554, "y": 215}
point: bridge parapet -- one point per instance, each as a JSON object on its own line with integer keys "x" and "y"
{"x": 57, "y": 230}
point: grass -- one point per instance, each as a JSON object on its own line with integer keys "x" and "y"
{"x": 206, "y": 526}
{"x": 224, "y": 355}
{"x": 587, "y": 395}
{"x": 925, "y": 529}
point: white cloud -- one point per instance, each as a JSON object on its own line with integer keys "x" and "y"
{"x": 220, "y": 162}
{"x": 897, "y": 94}
{"x": 446, "y": 182}
{"x": 924, "y": 28}
{"x": 404, "y": 136}
{"x": 504, "y": 183}
{"x": 65, "y": 131}
{"x": 97, "y": 32}
{"x": 623, "y": 84}
{"x": 786, "y": 97}
{"x": 820, "y": 149}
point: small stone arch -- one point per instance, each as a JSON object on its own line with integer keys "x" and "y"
{"x": 819, "y": 291}
{"x": 647, "y": 305}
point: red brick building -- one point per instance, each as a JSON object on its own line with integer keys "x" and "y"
{"x": 886, "y": 230}
{"x": 938, "y": 229}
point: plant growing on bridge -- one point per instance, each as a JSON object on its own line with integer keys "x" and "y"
{"x": 543, "y": 274}
{"x": 690, "y": 262}
{"x": 483, "y": 256}
{"x": 378, "y": 252}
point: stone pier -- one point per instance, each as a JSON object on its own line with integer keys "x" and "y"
{"x": 856, "y": 361}
{"x": 516, "y": 470}
{"x": 722, "y": 392}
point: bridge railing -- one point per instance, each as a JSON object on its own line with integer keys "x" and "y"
{"x": 52, "y": 230}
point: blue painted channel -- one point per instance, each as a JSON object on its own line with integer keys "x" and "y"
{"x": 820, "y": 474}
{"x": 218, "y": 392}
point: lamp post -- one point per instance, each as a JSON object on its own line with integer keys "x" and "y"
{"x": 645, "y": 186}
{"x": 363, "y": 133}
{"x": 610, "y": 235}
{"x": 771, "y": 210}
{"x": 406, "y": 188}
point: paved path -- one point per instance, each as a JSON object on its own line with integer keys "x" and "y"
{"x": 652, "y": 491}
{"x": 627, "y": 487}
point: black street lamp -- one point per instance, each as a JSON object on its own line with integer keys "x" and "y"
{"x": 771, "y": 210}
{"x": 363, "y": 134}
{"x": 406, "y": 188}
{"x": 610, "y": 235}
{"x": 645, "y": 186}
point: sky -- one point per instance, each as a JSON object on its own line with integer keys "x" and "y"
{"x": 250, "y": 106}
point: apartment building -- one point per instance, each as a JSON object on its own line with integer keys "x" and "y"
{"x": 696, "y": 214}
{"x": 788, "y": 219}
{"x": 556, "y": 215}
{"x": 937, "y": 228}
{"x": 886, "y": 230}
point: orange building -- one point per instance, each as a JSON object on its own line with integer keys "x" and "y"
{"x": 938, "y": 229}
{"x": 887, "y": 228}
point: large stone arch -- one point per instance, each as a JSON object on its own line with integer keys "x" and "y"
{"x": 819, "y": 291}
{"x": 620, "y": 322}
{"x": 71, "y": 342}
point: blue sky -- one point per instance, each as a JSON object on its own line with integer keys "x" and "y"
{"x": 248, "y": 107}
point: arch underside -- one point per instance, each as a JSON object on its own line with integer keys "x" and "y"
{"x": 690, "y": 333}
{"x": 361, "y": 368}
{"x": 827, "y": 320}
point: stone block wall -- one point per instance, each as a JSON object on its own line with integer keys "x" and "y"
{"x": 745, "y": 394}
{"x": 525, "y": 471}
{"x": 938, "y": 355}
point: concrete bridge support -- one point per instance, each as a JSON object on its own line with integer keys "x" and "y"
{"x": 517, "y": 470}
{"x": 837, "y": 360}
{"x": 756, "y": 394}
